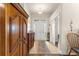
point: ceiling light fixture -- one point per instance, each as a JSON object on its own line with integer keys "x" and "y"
{"x": 40, "y": 8}
{"x": 40, "y": 12}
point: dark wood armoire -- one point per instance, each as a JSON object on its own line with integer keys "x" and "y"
{"x": 13, "y": 30}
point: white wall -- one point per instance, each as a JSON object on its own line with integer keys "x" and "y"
{"x": 69, "y": 12}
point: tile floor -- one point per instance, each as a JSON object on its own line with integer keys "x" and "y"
{"x": 44, "y": 48}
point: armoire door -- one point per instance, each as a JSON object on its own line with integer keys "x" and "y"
{"x": 14, "y": 32}
{"x": 24, "y": 35}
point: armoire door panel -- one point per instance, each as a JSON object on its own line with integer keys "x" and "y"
{"x": 14, "y": 34}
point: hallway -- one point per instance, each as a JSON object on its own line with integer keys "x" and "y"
{"x": 37, "y": 28}
{"x": 42, "y": 47}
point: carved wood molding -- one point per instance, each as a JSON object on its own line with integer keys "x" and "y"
{"x": 20, "y": 9}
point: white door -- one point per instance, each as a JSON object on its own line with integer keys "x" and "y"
{"x": 40, "y": 29}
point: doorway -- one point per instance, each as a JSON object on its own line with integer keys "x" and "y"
{"x": 56, "y": 30}
{"x": 40, "y": 29}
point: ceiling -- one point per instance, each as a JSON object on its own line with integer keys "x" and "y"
{"x": 40, "y": 10}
